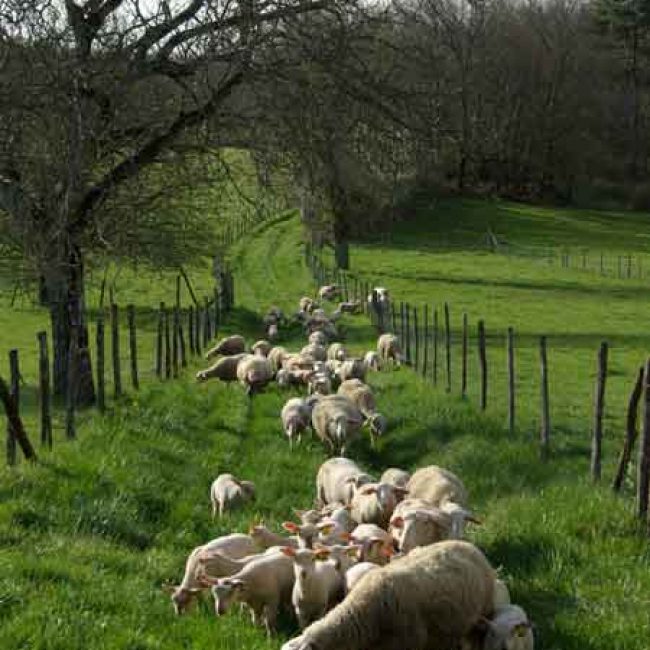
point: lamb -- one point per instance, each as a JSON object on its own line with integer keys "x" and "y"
{"x": 416, "y": 523}
{"x": 317, "y": 352}
{"x": 342, "y": 557}
{"x": 296, "y": 418}
{"x": 229, "y": 346}
{"x": 376, "y": 544}
{"x": 234, "y": 546}
{"x": 428, "y": 600}
{"x": 263, "y": 584}
{"x": 443, "y": 489}
{"x": 356, "y": 572}
{"x": 254, "y": 372}
{"x": 261, "y": 348}
{"x": 276, "y": 357}
{"x": 371, "y": 359}
{"x": 265, "y": 538}
{"x": 388, "y": 347}
{"x": 336, "y": 421}
{"x": 352, "y": 369}
{"x": 395, "y": 476}
{"x": 509, "y": 629}
{"x": 328, "y": 292}
{"x": 225, "y": 369}
{"x": 362, "y": 397}
{"x": 337, "y": 479}
{"x": 318, "y": 586}
{"x": 374, "y": 503}
{"x": 318, "y": 338}
{"x": 336, "y": 352}
{"x": 228, "y": 492}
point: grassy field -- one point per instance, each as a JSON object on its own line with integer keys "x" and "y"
{"x": 88, "y": 536}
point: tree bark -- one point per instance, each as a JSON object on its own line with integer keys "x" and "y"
{"x": 65, "y": 293}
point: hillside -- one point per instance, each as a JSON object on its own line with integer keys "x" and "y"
{"x": 90, "y": 534}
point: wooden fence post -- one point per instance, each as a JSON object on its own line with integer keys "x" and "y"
{"x": 71, "y": 389}
{"x": 425, "y": 346}
{"x": 44, "y": 390}
{"x": 101, "y": 379}
{"x": 206, "y": 324}
{"x": 448, "y": 347}
{"x": 417, "y": 337}
{"x": 435, "y": 347}
{"x": 178, "y": 291}
{"x": 216, "y": 313}
{"x": 482, "y": 357}
{"x": 159, "y": 339}
{"x": 643, "y": 472}
{"x": 197, "y": 329}
{"x": 115, "y": 346}
{"x": 599, "y": 406}
{"x": 175, "y": 327}
{"x": 168, "y": 349}
{"x": 181, "y": 343}
{"x": 133, "y": 346}
{"x": 190, "y": 329}
{"x": 408, "y": 333}
{"x": 545, "y": 430}
{"x": 511, "y": 380}
{"x": 630, "y": 432}
{"x": 13, "y": 420}
{"x": 463, "y": 378}
{"x": 14, "y": 373}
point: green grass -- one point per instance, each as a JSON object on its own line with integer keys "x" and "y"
{"x": 90, "y": 533}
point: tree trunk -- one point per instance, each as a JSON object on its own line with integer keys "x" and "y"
{"x": 65, "y": 293}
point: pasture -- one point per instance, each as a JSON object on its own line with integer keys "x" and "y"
{"x": 90, "y": 533}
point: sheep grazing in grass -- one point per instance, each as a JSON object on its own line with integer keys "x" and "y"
{"x": 350, "y": 307}
{"x": 296, "y": 418}
{"x": 374, "y": 503}
{"x": 428, "y": 600}
{"x": 318, "y": 585}
{"x": 235, "y": 546}
{"x": 254, "y": 372}
{"x": 307, "y": 305}
{"x": 395, "y": 476}
{"x": 389, "y": 348}
{"x": 263, "y": 585}
{"x": 228, "y": 492}
{"x": 328, "y": 292}
{"x": 276, "y": 357}
{"x": 372, "y": 360}
{"x": 261, "y": 348}
{"x": 227, "y": 347}
{"x": 272, "y": 331}
{"x": 337, "y": 352}
{"x": 509, "y": 629}
{"x": 337, "y": 480}
{"x": 337, "y": 422}
{"x": 225, "y": 369}
{"x": 352, "y": 369}
{"x": 362, "y": 397}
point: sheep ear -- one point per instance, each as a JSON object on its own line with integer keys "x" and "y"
{"x": 397, "y": 522}
{"x": 169, "y": 588}
{"x": 291, "y": 526}
{"x": 288, "y": 551}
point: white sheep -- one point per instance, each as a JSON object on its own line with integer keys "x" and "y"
{"x": 261, "y": 348}
{"x": 417, "y": 523}
{"x": 350, "y": 307}
{"x": 307, "y": 305}
{"x": 272, "y": 331}
{"x": 263, "y": 585}
{"x": 389, "y": 348}
{"x": 395, "y": 476}
{"x": 352, "y": 369}
{"x": 318, "y": 586}
{"x": 509, "y": 629}
{"x": 228, "y": 346}
{"x": 276, "y": 357}
{"x": 234, "y": 546}
{"x": 431, "y": 598}
{"x": 318, "y": 338}
{"x": 361, "y": 395}
{"x": 376, "y": 544}
{"x": 296, "y": 418}
{"x": 228, "y": 492}
{"x": 337, "y": 352}
{"x": 337, "y": 479}
{"x": 372, "y": 360}
{"x": 336, "y": 421}
{"x": 264, "y": 538}
{"x": 328, "y": 292}
{"x": 254, "y": 372}
{"x": 374, "y": 503}
{"x": 316, "y": 351}
{"x": 224, "y": 369}
{"x": 356, "y": 572}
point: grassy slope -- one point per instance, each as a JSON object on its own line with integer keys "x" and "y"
{"x": 89, "y": 534}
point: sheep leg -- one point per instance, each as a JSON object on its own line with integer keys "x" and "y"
{"x": 270, "y": 617}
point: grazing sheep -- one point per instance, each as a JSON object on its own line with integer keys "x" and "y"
{"x": 371, "y": 359}
{"x": 296, "y": 418}
{"x": 374, "y": 503}
{"x": 225, "y": 369}
{"x": 336, "y": 421}
{"x": 395, "y": 476}
{"x": 234, "y": 546}
{"x": 352, "y": 369}
{"x": 328, "y": 292}
{"x": 318, "y": 338}
{"x": 228, "y": 492}
{"x": 317, "y": 352}
{"x": 318, "y": 586}
{"x": 285, "y": 377}
{"x": 350, "y": 307}
{"x": 276, "y": 357}
{"x": 263, "y": 584}
{"x": 261, "y": 348}
{"x": 274, "y": 315}
{"x": 319, "y": 383}
{"x": 336, "y": 352}
{"x": 298, "y": 362}
{"x": 376, "y": 544}
{"x": 254, "y": 372}
{"x": 272, "y": 331}
{"x": 227, "y": 347}
{"x": 362, "y": 397}
{"x": 509, "y": 629}
{"x": 307, "y": 305}
{"x": 337, "y": 479}
{"x": 416, "y": 523}
{"x": 356, "y": 572}
{"x": 389, "y": 348}
{"x": 428, "y": 600}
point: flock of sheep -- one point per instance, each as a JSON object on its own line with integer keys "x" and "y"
{"x": 375, "y": 564}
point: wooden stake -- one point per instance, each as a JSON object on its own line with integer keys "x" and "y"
{"x": 115, "y": 346}
{"x": 599, "y": 407}
{"x": 11, "y": 409}
{"x": 545, "y": 431}
{"x": 463, "y": 379}
{"x": 14, "y": 372}
{"x": 101, "y": 379}
{"x": 44, "y": 390}
{"x": 133, "y": 346}
{"x": 643, "y": 473}
{"x": 448, "y": 347}
{"x": 482, "y": 357}
{"x": 511, "y": 380}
